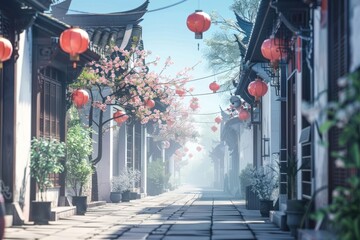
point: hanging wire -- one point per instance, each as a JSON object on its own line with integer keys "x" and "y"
{"x": 129, "y": 13}
{"x": 211, "y": 93}
{"x": 225, "y": 71}
{"x": 205, "y": 113}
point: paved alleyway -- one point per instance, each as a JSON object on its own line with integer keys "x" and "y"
{"x": 178, "y": 215}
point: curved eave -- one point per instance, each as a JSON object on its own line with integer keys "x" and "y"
{"x": 38, "y": 5}
{"x": 133, "y": 17}
{"x": 229, "y": 132}
{"x": 53, "y": 28}
{"x": 140, "y": 9}
{"x": 261, "y": 30}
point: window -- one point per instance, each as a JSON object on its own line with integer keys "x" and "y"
{"x": 51, "y": 108}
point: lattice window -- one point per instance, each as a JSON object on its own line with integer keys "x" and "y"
{"x": 51, "y": 108}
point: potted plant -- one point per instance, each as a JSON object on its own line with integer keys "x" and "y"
{"x": 116, "y": 189}
{"x": 45, "y": 155}
{"x": 78, "y": 167}
{"x": 156, "y": 178}
{"x": 124, "y": 183}
{"x": 295, "y": 208}
{"x": 264, "y": 181}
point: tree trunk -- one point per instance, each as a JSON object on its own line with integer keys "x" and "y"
{"x": 94, "y": 187}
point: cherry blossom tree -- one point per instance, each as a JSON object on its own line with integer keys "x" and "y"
{"x": 123, "y": 83}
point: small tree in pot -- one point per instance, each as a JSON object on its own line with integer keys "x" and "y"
{"x": 45, "y": 156}
{"x": 264, "y": 182}
{"x": 124, "y": 182}
{"x": 78, "y": 167}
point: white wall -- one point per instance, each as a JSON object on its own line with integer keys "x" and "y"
{"x": 105, "y": 166}
{"x": 23, "y": 122}
{"x": 245, "y": 147}
{"x": 320, "y": 84}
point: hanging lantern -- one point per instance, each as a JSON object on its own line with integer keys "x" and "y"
{"x": 273, "y": 49}
{"x": 214, "y": 87}
{"x": 150, "y": 103}
{"x": 180, "y": 92}
{"x": 186, "y": 149}
{"x": 191, "y": 155}
{"x": 74, "y": 41}
{"x": 120, "y": 117}
{"x": 243, "y": 114}
{"x": 80, "y": 98}
{"x": 214, "y": 128}
{"x": 6, "y": 50}
{"x": 198, "y": 22}
{"x": 198, "y": 148}
{"x": 194, "y": 106}
{"x": 218, "y": 119}
{"x": 257, "y": 88}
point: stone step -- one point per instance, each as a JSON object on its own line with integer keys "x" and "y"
{"x": 62, "y": 212}
{"x": 279, "y": 218}
{"x": 96, "y": 203}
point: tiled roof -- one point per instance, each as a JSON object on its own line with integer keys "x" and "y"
{"x": 119, "y": 28}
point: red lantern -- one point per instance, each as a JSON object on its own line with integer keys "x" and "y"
{"x": 80, "y": 97}
{"x": 74, "y": 41}
{"x": 180, "y": 92}
{"x": 120, "y": 117}
{"x": 257, "y": 88}
{"x": 194, "y": 106}
{"x": 191, "y": 155}
{"x": 273, "y": 49}
{"x": 5, "y": 50}
{"x": 198, "y": 22}
{"x": 150, "y": 103}
{"x": 243, "y": 114}
{"x": 214, "y": 128}
{"x": 198, "y": 148}
{"x": 214, "y": 87}
{"x": 186, "y": 149}
{"x": 218, "y": 119}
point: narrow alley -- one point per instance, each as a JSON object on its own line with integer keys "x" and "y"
{"x": 187, "y": 213}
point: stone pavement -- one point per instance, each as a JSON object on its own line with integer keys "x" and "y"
{"x": 182, "y": 214}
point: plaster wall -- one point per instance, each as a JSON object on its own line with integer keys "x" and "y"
{"x": 245, "y": 148}
{"x": 320, "y": 86}
{"x": 105, "y": 166}
{"x": 23, "y": 122}
{"x": 143, "y": 180}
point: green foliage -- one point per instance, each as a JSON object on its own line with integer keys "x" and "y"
{"x": 222, "y": 52}
{"x": 264, "y": 182}
{"x": 344, "y": 211}
{"x": 79, "y": 147}
{"x": 247, "y": 9}
{"x": 157, "y": 180}
{"x": 45, "y": 156}
{"x": 125, "y": 181}
{"x": 245, "y": 179}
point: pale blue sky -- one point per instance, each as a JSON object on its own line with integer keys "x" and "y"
{"x": 165, "y": 34}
